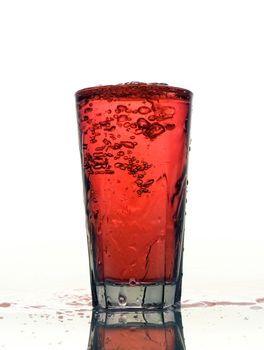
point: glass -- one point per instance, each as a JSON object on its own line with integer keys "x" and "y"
{"x": 134, "y": 143}
{"x": 159, "y": 330}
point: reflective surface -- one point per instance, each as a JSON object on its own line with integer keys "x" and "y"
{"x": 64, "y": 320}
{"x": 137, "y": 330}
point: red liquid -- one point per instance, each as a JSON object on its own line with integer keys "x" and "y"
{"x": 136, "y": 338}
{"x": 134, "y": 143}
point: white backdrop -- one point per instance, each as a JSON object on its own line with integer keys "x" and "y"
{"x": 50, "y": 49}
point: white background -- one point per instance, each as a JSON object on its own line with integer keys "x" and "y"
{"x": 50, "y": 49}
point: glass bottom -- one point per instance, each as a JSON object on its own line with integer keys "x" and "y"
{"x": 145, "y": 296}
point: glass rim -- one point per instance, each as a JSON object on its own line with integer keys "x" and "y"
{"x": 136, "y": 88}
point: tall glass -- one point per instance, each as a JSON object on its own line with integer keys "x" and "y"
{"x": 134, "y": 142}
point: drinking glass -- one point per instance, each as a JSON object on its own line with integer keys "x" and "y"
{"x": 134, "y": 143}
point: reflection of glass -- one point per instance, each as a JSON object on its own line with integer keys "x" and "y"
{"x": 137, "y": 330}
{"x": 134, "y": 141}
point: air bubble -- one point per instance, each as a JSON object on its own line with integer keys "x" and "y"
{"x": 168, "y": 110}
{"x": 117, "y": 146}
{"x": 144, "y": 110}
{"x": 170, "y": 126}
{"x": 155, "y": 130}
{"x": 87, "y": 110}
{"x": 143, "y": 123}
{"x": 122, "y": 300}
{"x": 132, "y": 282}
{"x": 121, "y": 108}
{"x": 152, "y": 118}
{"x": 148, "y": 183}
{"x": 127, "y": 144}
{"x": 122, "y": 118}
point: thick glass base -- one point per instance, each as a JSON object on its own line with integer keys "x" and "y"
{"x": 124, "y": 296}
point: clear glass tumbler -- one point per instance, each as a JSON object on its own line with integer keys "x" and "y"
{"x": 134, "y": 143}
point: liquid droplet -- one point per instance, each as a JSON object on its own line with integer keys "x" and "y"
{"x": 122, "y": 300}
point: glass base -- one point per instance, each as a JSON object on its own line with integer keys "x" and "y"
{"x": 145, "y": 296}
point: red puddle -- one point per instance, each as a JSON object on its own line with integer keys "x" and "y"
{"x": 260, "y": 300}
{"x": 5, "y": 304}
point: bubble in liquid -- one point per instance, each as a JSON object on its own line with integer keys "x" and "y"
{"x": 168, "y": 110}
{"x": 148, "y": 183}
{"x": 132, "y": 282}
{"x": 87, "y": 110}
{"x": 122, "y": 118}
{"x": 121, "y": 108}
{"x": 122, "y": 300}
{"x": 106, "y": 142}
{"x": 170, "y": 126}
{"x": 144, "y": 110}
{"x": 120, "y": 165}
{"x": 155, "y": 130}
{"x": 143, "y": 123}
{"x": 117, "y": 146}
{"x": 127, "y": 144}
{"x": 152, "y": 118}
